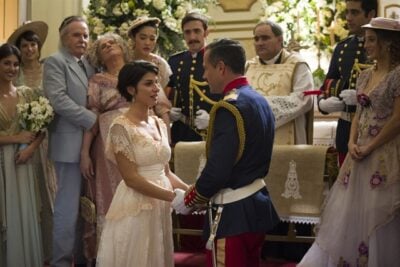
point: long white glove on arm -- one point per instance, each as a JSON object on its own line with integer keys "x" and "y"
{"x": 331, "y": 104}
{"x": 178, "y": 203}
{"x": 349, "y": 97}
{"x": 175, "y": 114}
{"x": 202, "y": 119}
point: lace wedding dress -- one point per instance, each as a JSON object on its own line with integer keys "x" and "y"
{"x": 138, "y": 228}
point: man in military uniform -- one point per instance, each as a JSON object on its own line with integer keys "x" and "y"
{"x": 339, "y": 93}
{"x": 282, "y": 76}
{"x": 190, "y": 107}
{"x": 239, "y": 148}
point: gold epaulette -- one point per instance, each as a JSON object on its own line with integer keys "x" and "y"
{"x": 194, "y": 85}
{"x": 239, "y": 124}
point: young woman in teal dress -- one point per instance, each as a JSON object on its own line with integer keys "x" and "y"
{"x": 29, "y": 39}
{"x": 20, "y": 235}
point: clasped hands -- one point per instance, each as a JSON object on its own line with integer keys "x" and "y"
{"x": 358, "y": 152}
{"x": 178, "y": 203}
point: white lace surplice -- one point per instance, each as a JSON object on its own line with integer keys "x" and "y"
{"x": 138, "y": 229}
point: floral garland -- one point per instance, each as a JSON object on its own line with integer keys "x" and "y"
{"x": 117, "y": 16}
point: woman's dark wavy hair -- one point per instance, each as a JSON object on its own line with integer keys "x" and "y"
{"x": 394, "y": 49}
{"x": 8, "y": 50}
{"x": 29, "y": 36}
{"x": 130, "y": 75}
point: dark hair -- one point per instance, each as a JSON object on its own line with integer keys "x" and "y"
{"x": 130, "y": 75}
{"x": 275, "y": 27}
{"x": 228, "y": 51}
{"x": 8, "y": 50}
{"x": 68, "y": 21}
{"x": 150, "y": 23}
{"x": 29, "y": 36}
{"x": 394, "y": 49}
{"x": 191, "y": 16}
{"x": 367, "y": 5}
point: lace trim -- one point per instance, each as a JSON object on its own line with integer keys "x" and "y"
{"x": 300, "y": 219}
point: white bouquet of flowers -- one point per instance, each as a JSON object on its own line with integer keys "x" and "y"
{"x": 35, "y": 115}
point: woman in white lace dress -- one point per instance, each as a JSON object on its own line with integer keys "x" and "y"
{"x": 138, "y": 227}
{"x": 360, "y": 225}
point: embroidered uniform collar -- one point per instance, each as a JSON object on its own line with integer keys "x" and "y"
{"x": 238, "y": 82}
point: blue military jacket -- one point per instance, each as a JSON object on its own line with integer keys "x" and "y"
{"x": 341, "y": 75}
{"x": 185, "y": 66}
{"x": 224, "y": 170}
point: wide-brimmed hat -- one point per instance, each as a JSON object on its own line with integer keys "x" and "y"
{"x": 140, "y": 21}
{"x": 38, "y": 27}
{"x": 383, "y": 24}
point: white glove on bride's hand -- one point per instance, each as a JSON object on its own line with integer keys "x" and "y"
{"x": 331, "y": 104}
{"x": 175, "y": 114}
{"x": 349, "y": 97}
{"x": 178, "y": 202}
{"x": 201, "y": 120}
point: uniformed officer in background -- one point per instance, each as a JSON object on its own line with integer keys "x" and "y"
{"x": 189, "y": 113}
{"x": 339, "y": 93}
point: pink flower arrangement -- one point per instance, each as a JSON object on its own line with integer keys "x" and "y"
{"x": 364, "y": 100}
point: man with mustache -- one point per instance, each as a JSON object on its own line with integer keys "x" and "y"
{"x": 189, "y": 113}
{"x": 65, "y": 83}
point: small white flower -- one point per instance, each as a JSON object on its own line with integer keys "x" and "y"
{"x": 179, "y": 12}
{"x": 159, "y": 4}
{"x": 102, "y": 10}
{"x": 125, "y": 8}
{"x": 140, "y": 12}
{"x": 147, "y": 2}
{"x": 117, "y": 10}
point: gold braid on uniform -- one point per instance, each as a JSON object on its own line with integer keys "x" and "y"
{"x": 239, "y": 124}
{"x": 192, "y": 196}
{"x": 194, "y": 87}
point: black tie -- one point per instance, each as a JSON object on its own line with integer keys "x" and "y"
{"x": 80, "y": 63}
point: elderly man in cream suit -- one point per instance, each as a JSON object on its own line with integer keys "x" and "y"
{"x": 65, "y": 82}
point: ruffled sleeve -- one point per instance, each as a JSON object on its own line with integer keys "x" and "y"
{"x": 119, "y": 141}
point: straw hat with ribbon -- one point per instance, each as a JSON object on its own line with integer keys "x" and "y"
{"x": 380, "y": 23}
{"x": 38, "y": 27}
{"x": 140, "y": 21}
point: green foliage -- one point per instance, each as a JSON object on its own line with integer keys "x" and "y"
{"x": 117, "y": 16}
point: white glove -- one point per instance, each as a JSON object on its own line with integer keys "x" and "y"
{"x": 202, "y": 119}
{"x": 349, "y": 97}
{"x": 331, "y": 104}
{"x": 175, "y": 114}
{"x": 179, "y": 203}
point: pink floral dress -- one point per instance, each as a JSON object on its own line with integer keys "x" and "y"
{"x": 360, "y": 225}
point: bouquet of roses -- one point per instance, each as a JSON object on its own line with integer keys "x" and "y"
{"x": 35, "y": 116}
